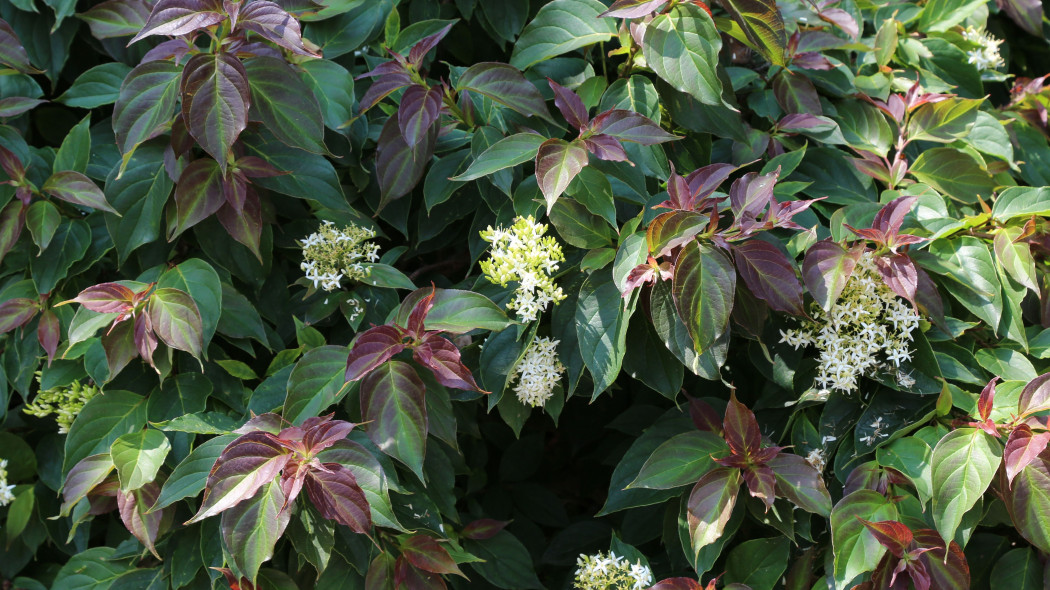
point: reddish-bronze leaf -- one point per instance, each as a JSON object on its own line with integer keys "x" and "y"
{"x": 48, "y": 333}
{"x": 633, "y": 9}
{"x": 88, "y": 473}
{"x": 891, "y": 534}
{"x": 335, "y": 493}
{"x": 946, "y": 569}
{"x": 769, "y": 274}
{"x": 105, "y": 298}
{"x": 392, "y": 399}
{"x": 761, "y": 483}
{"x": 176, "y": 320}
{"x": 215, "y": 99}
{"x": 134, "y": 513}
{"x": 570, "y": 105}
{"x": 741, "y": 429}
{"x": 17, "y": 312}
{"x": 12, "y": 220}
{"x": 245, "y": 465}
{"x": 826, "y": 268}
{"x": 12, "y": 54}
{"x": 409, "y": 577}
{"x": 198, "y": 195}
{"x": 390, "y": 76}
{"x": 710, "y": 505}
{"x": 1022, "y": 447}
{"x": 750, "y": 194}
{"x": 245, "y": 225}
{"x": 416, "y": 324}
{"x": 606, "y": 147}
{"x": 900, "y": 274}
{"x": 420, "y": 107}
{"x": 145, "y": 338}
{"x": 483, "y": 528}
{"x": 269, "y": 20}
{"x": 372, "y": 348}
{"x": 424, "y": 45}
{"x": 321, "y": 436}
{"x": 676, "y": 583}
{"x": 425, "y": 553}
{"x": 704, "y": 416}
{"x": 119, "y": 345}
{"x": 116, "y": 18}
{"x": 504, "y": 84}
{"x": 179, "y": 17}
{"x": 630, "y": 126}
{"x": 400, "y": 166}
{"x": 800, "y": 483}
{"x": 443, "y": 359}
{"x": 1035, "y": 397}
{"x": 557, "y": 163}
{"x": 986, "y": 401}
{"x": 74, "y": 187}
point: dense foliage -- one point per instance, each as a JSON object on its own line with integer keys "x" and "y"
{"x": 509, "y": 294}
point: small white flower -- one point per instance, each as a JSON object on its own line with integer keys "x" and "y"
{"x": 538, "y": 372}
{"x": 522, "y": 253}
{"x": 6, "y": 490}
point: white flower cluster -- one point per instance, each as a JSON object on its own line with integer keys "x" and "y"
{"x": 817, "y": 459}
{"x": 867, "y": 321}
{"x": 522, "y": 253}
{"x": 6, "y": 494}
{"x": 64, "y": 402}
{"x": 538, "y": 372}
{"x": 332, "y": 254}
{"x": 611, "y": 572}
{"x": 985, "y": 57}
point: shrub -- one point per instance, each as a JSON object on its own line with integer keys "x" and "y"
{"x": 483, "y": 294}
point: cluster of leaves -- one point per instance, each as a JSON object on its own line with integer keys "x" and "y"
{"x": 162, "y": 162}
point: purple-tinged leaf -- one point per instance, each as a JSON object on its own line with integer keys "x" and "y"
{"x": 673, "y": 229}
{"x": 380, "y": 575}
{"x": 557, "y": 163}
{"x": 16, "y": 105}
{"x": 483, "y": 528}
{"x": 49, "y": 333}
{"x": 945, "y": 569}
{"x": 251, "y": 528}
{"x": 928, "y": 298}
{"x": 420, "y": 107}
{"x": 606, "y": 147}
{"x": 803, "y": 122}
{"x": 134, "y": 508}
{"x": 425, "y": 553}
{"x": 889, "y": 219}
{"x": 371, "y": 349}
{"x": 172, "y": 49}
{"x": 703, "y": 288}
{"x": 245, "y": 225}
{"x": 826, "y": 269}
{"x": 762, "y": 25}
{"x": 179, "y": 17}
{"x": 704, "y": 416}
{"x": 335, "y": 493}
{"x": 82, "y": 478}
{"x": 571, "y": 106}
{"x": 409, "y": 577}
{"x": 841, "y": 19}
{"x": 986, "y": 401}
{"x": 320, "y": 437}
{"x": 271, "y": 21}
{"x": 105, "y": 298}
{"x": 198, "y": 195}
{"x": 279, "y": 101}
{"x": 12, "y": 220}
{"x": 770, "y": 275}
{"x": 443, "y": 359}
{"x": 706, "y": 180}
{"x": 856, "y": 550}
{"x": 73, "y": 187}
{"x": 629, "y": 126}
{"x": 268, "y": 422}
{"x": 415, "y": 325}
{"x": 632, "y": 8}
{"x": 900, "y": 274}
{"x": 1028, "y": 501}
{"x": 145, "y": 104}
{"x": 11, "y": 164}
{"x": 504, "y": 84}
{"x": 245, "y": 465}
{"x": 796, "y": 94}
{"x": 400, "y": 166}
{"x": 811, "y": 60}
{"x": 1035, "y": 397}
{"x": 215, "y": 99}
{"x": 891, "y": 534}
{"x": 964, "y": 463}
{"x": 177, "y": 320}
{"x": 750, "y": 194}
{"x": 741, "y": 429}
{"x": 801, "y": 484}
{"x": 145, "y": 338}
{"x": 423, "y": 47}
{"x": 710, "y": 505}
{"x": 17, "y": 312}
{"x": 390, "y": 76}
{"x": 1028, "y": 14}
{"x": 119, "y": 346}
{"x": 12, "y": 54}
{"x": 116, "y": 18}
{"x": 761, "y": 483}
{"x": 392, "y": 400}
{"x": 1022, "y": 447}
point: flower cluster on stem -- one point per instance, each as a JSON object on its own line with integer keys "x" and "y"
{"x": 867, "y": 327}
{"x": 64, "y": 402}
{"x": 985, "y": 57}
{"x": 522, "y": 253}
{"x": 331, "y": 254}
{"x": 538, "y": 372}
{"x": 611, "y": 572}
{"x": 6, "y": 490}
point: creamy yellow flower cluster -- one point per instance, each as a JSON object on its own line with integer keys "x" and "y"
{"x": 538, "y": 372}
{"x": 985, "y": 57}
{"x": 522, "y": 253}
{"x": 332, "y": 254}
{"x": 867, "y": 326}
{"x": 611, "y": 572}
{"x": 64, "y": 402}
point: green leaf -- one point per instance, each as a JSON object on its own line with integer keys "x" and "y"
{"x": 392, "y": 400}
{"x": 954, "y": 173}
{"x": 311, "y": 176}
{"x": 189, "y": 476}
{"x": 680, "y": 461}
{"x": 682, "y": 48}
{"x": 710, "y": 506}
{"x": 293, "y": 116}
{"x": 557, "y": 163}
{"x": 560, "y": 27}
{"x": 69, "y": 244}
{"x": 138, "y": 457}
{"x": 202, "y": 423}
{"x": 975, "y": 281}
{"x": 456, "y": 311}
{"x": 864, "y": 127}
{"x": 139, "y": 195}
{"x": 988, "y": 136}
{"x": 1021, "y": 201}
{"x": 703, "y": 287}
{"x": 199, "y": 279}
{"x": 75, "y": 150}
{"x": 911, "y": 456}
{"x": 73, "y": 187}
{"x": 42, "y": 221}
{"x": 333, "y": 87}
{"x": 940, "y": 15}
{"x": 579, "y": 227}
{"x": 505, "y": 153}
{"x": 964, "y": 463}
{"x": 763, "y": 27}
{"x": 943, "y": 121}
{"x": 102, "y": 420}
{"x": 601, "y": 326}
{"x": 177, "y": 320}
{"x": 507, "y": 563}
{"x": 1018, "y": 569}
{"x": 251, "y": 528}
{"x": 856, "y": 548}
{"x": 800, "y": 483}
{"x": 593, "y": 190}
{"x": 91, "y": 569}
{"x": 1028, "y": 501}
{"x": 316, "y": 383}
{"x": 758, "y": 564}
{"x": 145, "y": 105}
